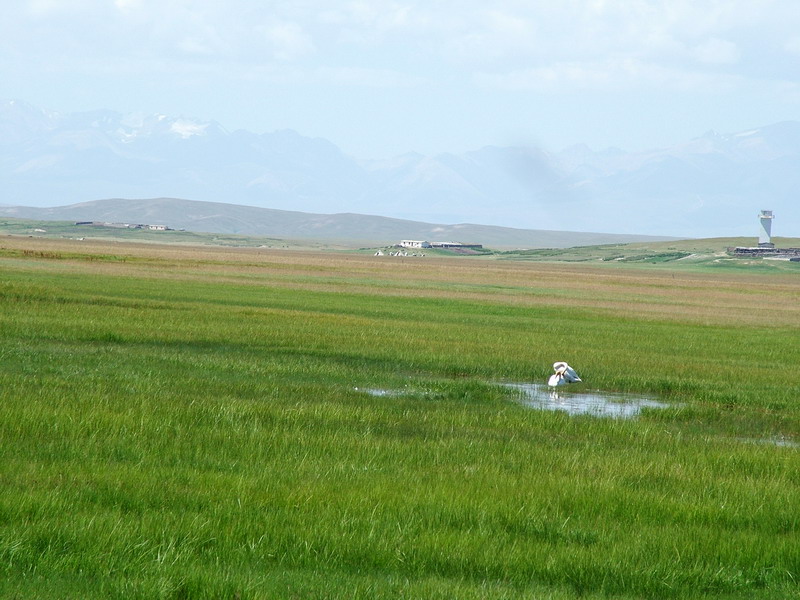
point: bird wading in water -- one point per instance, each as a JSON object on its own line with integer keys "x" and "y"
{"x": 563, "y": 375}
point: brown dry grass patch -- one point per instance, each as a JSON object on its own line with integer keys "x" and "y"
{"x": 658, "y": 293}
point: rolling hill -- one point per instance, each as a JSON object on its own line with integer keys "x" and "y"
{"x": 248, "y": 220}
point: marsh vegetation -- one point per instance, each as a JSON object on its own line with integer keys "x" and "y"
{"x": 202, "y": 423}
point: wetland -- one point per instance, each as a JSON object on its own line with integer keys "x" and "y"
{"x": 193, "y": 422}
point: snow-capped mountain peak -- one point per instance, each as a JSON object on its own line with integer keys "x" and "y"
{"x": 186, "y": 129}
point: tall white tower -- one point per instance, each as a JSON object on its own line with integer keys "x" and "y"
{"x": 765, "y": 235}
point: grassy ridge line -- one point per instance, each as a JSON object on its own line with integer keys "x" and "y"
{"x": 350, "y": 231}
{"x": 674, "y": 253}
{"x": 204, "y": 439}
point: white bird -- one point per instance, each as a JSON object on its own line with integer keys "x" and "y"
{"x": 563, "y": 375}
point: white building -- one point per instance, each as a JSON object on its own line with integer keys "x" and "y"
{"x": 414, "y": 244}
{"x": 765, "y": 233}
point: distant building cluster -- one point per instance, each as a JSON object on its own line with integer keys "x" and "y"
{"x": 424, "y": 244}
{"x": 792, "y": 254}
{"x": 406, "y": 245}
{"x": 125, "y": 225}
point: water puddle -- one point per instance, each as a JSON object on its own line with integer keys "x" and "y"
{"x": 378, "y": 392}
{"x": 615, "y": 405}
{"x": 584, "y": 402}
{"x": 779, "y": 441}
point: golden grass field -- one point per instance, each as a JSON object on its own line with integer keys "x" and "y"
{"x": 701, "y": 296}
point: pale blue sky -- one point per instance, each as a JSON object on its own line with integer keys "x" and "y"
{"x": 383, "y": 77}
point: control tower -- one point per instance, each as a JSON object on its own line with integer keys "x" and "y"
{"x": 765, "y": 234}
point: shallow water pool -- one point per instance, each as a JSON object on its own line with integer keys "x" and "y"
{"x": 584, "y": 402}
{"x": 378, "y": 392}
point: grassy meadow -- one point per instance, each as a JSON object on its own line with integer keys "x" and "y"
{"x": 197, "y": 423}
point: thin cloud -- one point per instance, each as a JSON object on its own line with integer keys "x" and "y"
{"x": 366, "y": 77}
{"x": 717, "y": 52}
{"x": 288, "y": 41}
{"x": 462, "y": 73}
{"x": 792, "y": 45}
{"x": 624, "y": 75}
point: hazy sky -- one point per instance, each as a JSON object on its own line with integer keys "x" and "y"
{"x": 383, "y": 77}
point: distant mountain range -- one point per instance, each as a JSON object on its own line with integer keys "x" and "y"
{"x": 711, "y": 186}
{"x": 218, "y": 217}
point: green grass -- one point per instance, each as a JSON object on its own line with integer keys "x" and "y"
{"x": 70, "y": 230}
{"x": 191, "y": 428}
{"x": 698, "y": 255}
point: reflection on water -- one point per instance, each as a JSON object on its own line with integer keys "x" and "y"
{"x": 780, "y": 441}
{"x": 584, "y": 402}
{"x": 379, "y": 392}
{"x": 574, "y": 402}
